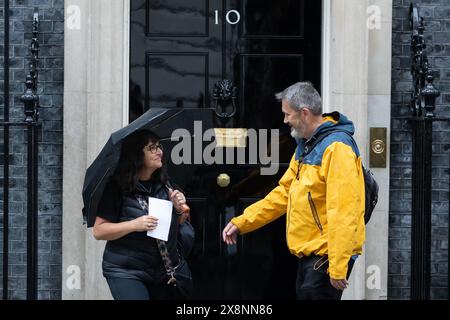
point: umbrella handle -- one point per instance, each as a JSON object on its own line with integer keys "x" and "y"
{"x": 185, "y": 209}
{"x": 185, "y": 214}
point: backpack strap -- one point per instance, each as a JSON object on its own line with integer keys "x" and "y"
{"x": 315, "y": 140}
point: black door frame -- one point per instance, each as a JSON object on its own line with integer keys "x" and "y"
{"x": 316, "y": 55}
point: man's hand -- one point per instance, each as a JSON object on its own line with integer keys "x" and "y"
{"x": 339, "y": 284}
{"x": 230, "y": 233}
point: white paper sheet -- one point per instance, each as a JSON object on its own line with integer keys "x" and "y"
{"x": 161, "y": 209}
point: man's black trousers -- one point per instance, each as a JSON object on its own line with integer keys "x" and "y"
{"x": 313, "y": 281}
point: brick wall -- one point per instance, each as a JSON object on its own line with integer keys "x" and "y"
{"x": 51, "y": 38}
{"x": 437, "y": 23}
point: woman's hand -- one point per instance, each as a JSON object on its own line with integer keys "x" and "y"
{"x": 145, "y": 223}
{"x": 177, "y": 199}
{"x": 106, "y": 230}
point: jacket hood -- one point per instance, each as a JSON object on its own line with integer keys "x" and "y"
{"x": 331, "y": 121}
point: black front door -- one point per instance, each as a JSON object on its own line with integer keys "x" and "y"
{"x": 179, "y": 50}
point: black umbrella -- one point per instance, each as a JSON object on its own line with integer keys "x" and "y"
{"x": 103, "y": 167}
{"x": 161, "y": 121}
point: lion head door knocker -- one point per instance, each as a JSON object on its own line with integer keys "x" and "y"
{"x": 224, "y": 97}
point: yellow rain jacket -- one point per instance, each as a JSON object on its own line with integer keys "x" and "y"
{"x": 323, "y": 196}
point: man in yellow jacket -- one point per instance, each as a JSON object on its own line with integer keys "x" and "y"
{"x": 322, "y": 193}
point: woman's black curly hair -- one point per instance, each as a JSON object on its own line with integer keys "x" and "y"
{"x": 132, "y": 159}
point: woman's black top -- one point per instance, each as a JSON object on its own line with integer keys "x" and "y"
{"x": 136, "y": 255}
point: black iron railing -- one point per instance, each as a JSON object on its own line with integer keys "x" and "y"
{"x": 30, "y": 100}
{"x": 6, "y": 152}
{"x": 422, "y": 105}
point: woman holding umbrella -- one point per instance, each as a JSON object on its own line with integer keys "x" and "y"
{"x": 132, "y": 262}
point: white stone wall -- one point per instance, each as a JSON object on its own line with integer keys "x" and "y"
{"x": 356, "y": 81}
{"x": 95, "y": 88}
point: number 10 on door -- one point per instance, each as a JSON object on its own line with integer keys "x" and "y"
{"x": 232, "y": 16}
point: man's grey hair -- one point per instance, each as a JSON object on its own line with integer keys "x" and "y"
{"x": 302, "y": 95}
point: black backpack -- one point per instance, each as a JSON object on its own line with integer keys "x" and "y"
{"x": 370, "y": 184}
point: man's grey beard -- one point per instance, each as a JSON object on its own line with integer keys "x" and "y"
{"x": 295, "y": 134}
